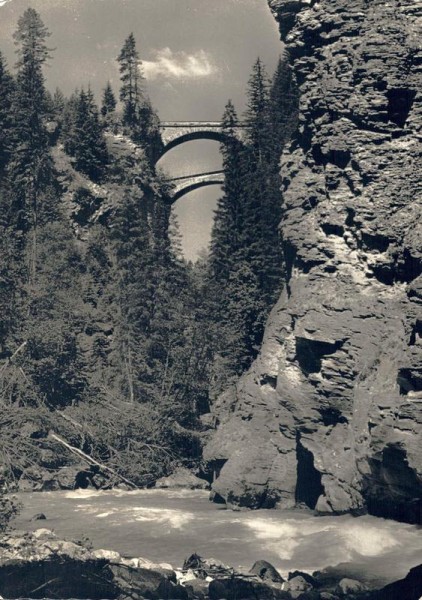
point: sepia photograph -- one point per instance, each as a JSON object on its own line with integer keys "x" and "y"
{"x": 211, "y": 299}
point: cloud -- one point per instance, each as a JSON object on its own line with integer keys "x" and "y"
{"x": 3, "y": 2}
{"x": 179, "y": 65}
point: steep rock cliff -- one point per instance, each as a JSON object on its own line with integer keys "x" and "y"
{"x": 330, "y": 413}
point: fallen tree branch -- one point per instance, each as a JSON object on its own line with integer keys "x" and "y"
{"x": 91, "y": 460}
{"x": 10, "y": 359}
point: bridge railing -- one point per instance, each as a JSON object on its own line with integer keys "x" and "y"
{"x": 193, "y": 176}
{"x": 184, "y": 124}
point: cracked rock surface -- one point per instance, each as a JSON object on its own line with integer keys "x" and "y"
{"x": 330, "y": 413}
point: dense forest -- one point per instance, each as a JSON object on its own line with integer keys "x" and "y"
{"x": 109, "y": 338}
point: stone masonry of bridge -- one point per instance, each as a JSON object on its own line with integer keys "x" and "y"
{"x": 184, "y": 185}
{"x": 174, "y": 133}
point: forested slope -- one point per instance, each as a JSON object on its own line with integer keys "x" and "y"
{"x": 112, "y": 346}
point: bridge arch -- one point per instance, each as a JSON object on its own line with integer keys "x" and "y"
{"x": 190, "y": 137}
{"x": 175, "y": 133}
{"x": 184, "y": 185}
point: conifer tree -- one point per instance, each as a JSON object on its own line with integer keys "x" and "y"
{"x": 227, "y": 232}
{"x": 138, "y": 114}
{"x": 31, "y": 166}
{"x": 88, "y": 143}
{"x": 134, "y": 294}
{"x": 67, "y": 134}
{"x": 283, "y": 103}
{"x": 257, "y": 115}
{"x": 6, "y": 96}
{"x": 109, "y": 101}
{"x": 131, "y": 78}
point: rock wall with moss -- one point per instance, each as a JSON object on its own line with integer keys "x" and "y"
{"x": 330, "y": 414}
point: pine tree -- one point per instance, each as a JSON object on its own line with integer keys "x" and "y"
{"x": 263, "y": 206}
{"x": 59, "y": 102}
{"x": 283, "y": 104}
{"x": 109, "y": 101}
{"x": 257, "y": 115}
{"x": 134, "y": 294}
{"x": 131, "y": 78}
{"x": 6, "y": 96}
{"x": 67, "y": 135}
{"x": 88, "y": 142}
{"x": 228, "y": 225}
{"x": 138, "y": 114}
{"x": 30, "y": 169}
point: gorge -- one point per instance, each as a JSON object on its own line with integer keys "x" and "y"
{"x": 329, "y": 415}
{"x": 118, "y": 353}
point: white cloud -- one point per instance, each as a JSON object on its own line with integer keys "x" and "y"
{"x": 3, "y": 2}
{"x": 179, "y": 65}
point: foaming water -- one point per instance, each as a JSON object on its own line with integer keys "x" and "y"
{"x": 168, "y": 525}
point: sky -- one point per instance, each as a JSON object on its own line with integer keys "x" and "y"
{"x": 196, "y": 54}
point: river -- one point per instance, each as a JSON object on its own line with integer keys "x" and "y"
{"x": 169, "y": 525}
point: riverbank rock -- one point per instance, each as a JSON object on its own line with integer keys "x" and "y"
{"x": 41, "y": 565}
{"x": 182, "y": 478}
{"x": 265, "y": 571}
{"x": 329, "y": 414}
{"x": 410, "y": 587}
{"x": 296, "y": 585}
{"x": 349, "y": 587}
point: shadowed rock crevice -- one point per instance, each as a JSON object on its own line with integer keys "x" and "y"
{"x": 410, "y": 380}
{"x": 393, "y": 488}
{"x": 400, "y": 102}
{"x": 309, "y": 486}
{"x": 310, "y": 352}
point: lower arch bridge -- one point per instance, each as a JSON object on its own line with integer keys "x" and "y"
{"x": 189, "y": 183}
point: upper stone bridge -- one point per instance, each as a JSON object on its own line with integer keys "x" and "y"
{"x": 174, "y": 133}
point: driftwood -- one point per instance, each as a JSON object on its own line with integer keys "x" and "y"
{"x": 91, "y": 460}
{"x": 10, "y": 359}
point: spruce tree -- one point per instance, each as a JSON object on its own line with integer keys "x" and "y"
{"x": 131, "y": 78}
{"x": 226, "y": 238}
{"x": 88, "y": 142}
{"x": 263, "y": 206}
{"x": 283, "y": 103}
{"x": 109, "y": 101}
{"x": 67, "y": 134}
{"x": 6, "y": 96}
{"x": 257, "y": 116}
{"x": 138, "y": 115}
{"x": 134, "y": 295}
{"x": 30, "y": 169}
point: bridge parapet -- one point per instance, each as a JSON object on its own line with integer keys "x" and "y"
{"x": 184, "y": 185}
{"x": 174, "y": 133}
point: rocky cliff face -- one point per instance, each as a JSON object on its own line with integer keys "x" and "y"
{"x": 330, "y": 414}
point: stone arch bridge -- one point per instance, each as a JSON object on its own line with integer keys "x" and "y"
{"x": 189, "y": 183}
{"x": 175, "y": 133}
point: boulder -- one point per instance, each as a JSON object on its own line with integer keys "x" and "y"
{"x": 297, "y": 585}
{"x": 182, "y": 478}
{"x": 39, "y": 517}
{"x": 306, "y": 576}
{"x": 109, "y": 555}
{"x": 265, "y": 571}
{"x": 348, "y": 587}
